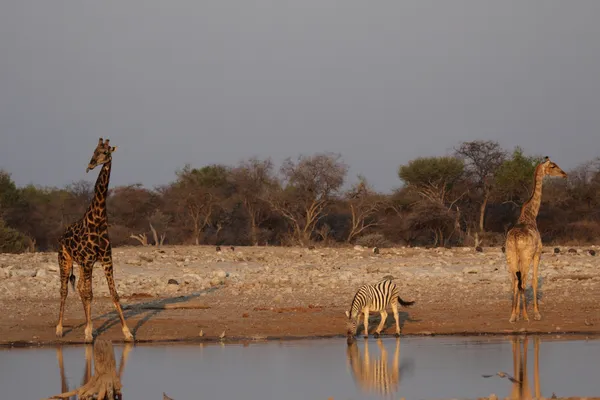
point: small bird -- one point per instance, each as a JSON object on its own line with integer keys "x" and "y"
{"x": 502, "y": 375}
{"x": 201, "y": 333}
{"x": 222, "y": 335}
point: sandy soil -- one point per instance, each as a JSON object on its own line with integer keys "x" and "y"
{"x": 271, "y": 292}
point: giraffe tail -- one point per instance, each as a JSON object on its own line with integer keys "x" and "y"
{"x": 72, "y": 279}
{"x": 520, "y": 280}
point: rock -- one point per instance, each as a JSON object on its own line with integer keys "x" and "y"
{"x": 376, "y": 250}
{"x": 133, "y": 262}
{"x": 40, "y": 273}
{"x": 556, "y": 250}
{"x": 479, "y": 249}
{"x": 591, "y": 252}
{"x": 218, "y": 248}
{"x": 572, "y": 251}
{"x": 221, "y": 274}
{"x": 4, "y": 273}
{"x": 146, "y": 258}
{"x": 278, "y": 298}
{"x": 358, "y": 248}
{"x": 172, "y": 282}
{"x": 503, "y": 249}
{"x": 52, "y": 267}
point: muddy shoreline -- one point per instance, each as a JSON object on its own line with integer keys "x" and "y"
{"x": 257, "y": 293}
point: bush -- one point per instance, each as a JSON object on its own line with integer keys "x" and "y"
{"x": 373, "y": 240}
{"x": 12, "y": 241}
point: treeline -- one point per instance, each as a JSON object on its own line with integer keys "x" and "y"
{"x": 469, "y": 198}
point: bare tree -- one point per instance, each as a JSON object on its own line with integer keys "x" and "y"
{"x": 482, "y": 161}
{"x": 252, "y": 179}
{"x": 308, "y": 187}
{"x": 364, "y": 203}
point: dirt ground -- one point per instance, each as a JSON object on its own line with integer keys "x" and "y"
{"x": 256, "y": 293}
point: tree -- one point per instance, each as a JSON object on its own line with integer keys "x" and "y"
{"x": 307, "y": 188}
{"x": 196, "y": 195}
{"x": 482, "y": 160}
{"x": 433, "y": 177}
{"x": 9, "y": 194}
{"x": 514, "y": 177}
{"x": 364, "y": 203}
{"x": 253, "y": 179}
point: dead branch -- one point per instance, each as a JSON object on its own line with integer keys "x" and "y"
{"x": 105, "y": 384}
{"x": 142, "y": 238}
{"x": 157, "y": 241}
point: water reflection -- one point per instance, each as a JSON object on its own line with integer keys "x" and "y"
{"x": 87, "y": 372}
{"x": 373, "y": 374}
{"x": 521, "y": 389}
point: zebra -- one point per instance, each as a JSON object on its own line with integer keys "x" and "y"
{"x": 375, "y": 297}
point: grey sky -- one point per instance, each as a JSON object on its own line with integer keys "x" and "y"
{"x": 216, "y": 81}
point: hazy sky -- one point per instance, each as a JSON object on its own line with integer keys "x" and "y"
{"x": 217, "y": 81}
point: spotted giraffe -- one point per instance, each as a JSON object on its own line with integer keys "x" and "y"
{"x": 85, "y": 242}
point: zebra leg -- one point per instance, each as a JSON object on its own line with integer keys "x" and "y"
{"x": 366, "y": 312}
{"x": 396, "y": 317}
{"x": 384, "y": 315}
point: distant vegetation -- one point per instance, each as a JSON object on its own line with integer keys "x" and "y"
{"x": 470, "y": 197}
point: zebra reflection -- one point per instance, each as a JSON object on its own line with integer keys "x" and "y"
{"x": 374, "y": 375}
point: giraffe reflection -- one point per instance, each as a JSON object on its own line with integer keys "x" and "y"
{"x": 521, "y": 389}
{"x": 375, "y": 375}
{"x": 87, "y": 373}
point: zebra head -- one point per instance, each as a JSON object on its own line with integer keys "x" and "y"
{"x": 351, "y": 325}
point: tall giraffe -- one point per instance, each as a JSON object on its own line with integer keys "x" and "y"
{"x": 524, "y": 243}
{"x": 85, "y": 242}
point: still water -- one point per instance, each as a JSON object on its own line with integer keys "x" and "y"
{"x": 410, "y": 367}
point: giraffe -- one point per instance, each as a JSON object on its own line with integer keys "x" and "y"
{"x": 85, "y": 242}
{"x": 524, "y": 243}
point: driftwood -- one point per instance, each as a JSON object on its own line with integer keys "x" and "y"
{"x": 105, "y": 384}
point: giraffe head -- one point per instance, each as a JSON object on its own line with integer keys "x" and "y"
{"x": 550, "y": 168}
{"x": 102, "y": 154}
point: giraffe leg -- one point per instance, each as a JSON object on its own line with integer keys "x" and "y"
{"x": 366, "y": 322}
{"x": 384, "y": 315}
{"x": 515, "y": 289}
{"x": 513, "y": 267}
{"x": 536, "y": 262}
{"x": 84, "y": 286}
{"x": 65, "y": 264}
{"x": 522, "y": 294}
{"x": 396, "y": 317}
{"x": 108, "y": 271}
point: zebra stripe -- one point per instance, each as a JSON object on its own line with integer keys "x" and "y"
{"x": 376, "y": 297}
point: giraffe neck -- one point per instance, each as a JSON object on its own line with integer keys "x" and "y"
{"x": 96, "y": 212}
{"x": 531, "y": 207}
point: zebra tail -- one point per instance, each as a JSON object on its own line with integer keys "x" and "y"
{"x": 405, "y": 303}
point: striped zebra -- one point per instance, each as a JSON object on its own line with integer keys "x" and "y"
{"x": 375, "y": 297}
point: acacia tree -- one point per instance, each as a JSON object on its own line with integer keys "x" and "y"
{"x": 196, "y": 195}
{"x": 364, "y": 203}
{"x": 307, "y": 188}
{"x": 482, "y": 160}
{"x": 514, "y": 177}
{"x": 252, "y": 179}
{"x": 434, "y": 179}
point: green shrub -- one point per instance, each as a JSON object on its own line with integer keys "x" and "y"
{"x": 11, "y": 240}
